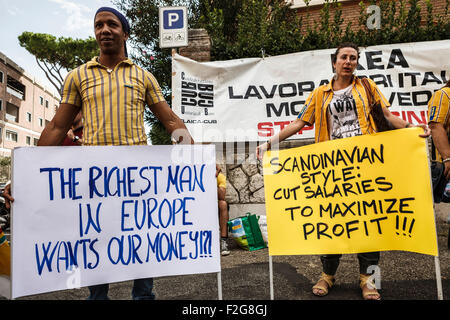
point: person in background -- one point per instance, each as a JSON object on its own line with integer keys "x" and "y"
{"x": 75, "y": 133}
{"x": 322, "y": 108}
{"x": 439, "y": 122}
{"x": 223, "y": 211}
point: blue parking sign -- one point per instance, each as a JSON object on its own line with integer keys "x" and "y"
{"x": 173, "y": 19}
{"x": 173, "y": 27}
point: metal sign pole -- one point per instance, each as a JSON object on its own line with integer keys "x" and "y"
{"x": 438, "y": 278}
{"x": 271, "y": 277}
{"x": 219, "y": 285}
{"x": 437, "y": 264}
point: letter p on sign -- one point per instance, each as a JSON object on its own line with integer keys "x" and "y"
{"x": 173, "y": 19}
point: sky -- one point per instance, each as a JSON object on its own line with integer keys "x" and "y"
{"x": 61, "y": 18}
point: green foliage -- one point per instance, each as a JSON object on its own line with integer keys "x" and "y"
{"x": 255, "y": 28}
{"x": 273, "y": 28}
{"x": 158, "y": 134}
{"x": 54, "y": 55}
{"x": 5, "y": 161}
{"x": 144, "y": 19}
{"x": 403, "y": 21}
{"x": 143, "y": 16}
{"x": 259, "y": 28}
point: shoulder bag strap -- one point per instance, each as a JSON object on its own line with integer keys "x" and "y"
{"x": 369, "y": 94}
{"x": 370, "y": 99}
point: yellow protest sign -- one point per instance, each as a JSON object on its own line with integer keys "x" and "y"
{"x": 361, "y": 194}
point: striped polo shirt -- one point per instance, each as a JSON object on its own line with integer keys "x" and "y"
{"x": 439, "y": 107}
{"x": 112, "y": 101}
{"x": 439, "y": 111}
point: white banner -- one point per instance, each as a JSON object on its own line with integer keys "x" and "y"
{"x": 253, "y": 99}
{"x": 90, "y": 215}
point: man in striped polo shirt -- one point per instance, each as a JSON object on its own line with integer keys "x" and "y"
{"x": 112, "y": 93}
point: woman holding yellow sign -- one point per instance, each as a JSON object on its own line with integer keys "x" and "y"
{"x": 341, "y": 109}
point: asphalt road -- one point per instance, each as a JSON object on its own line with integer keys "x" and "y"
{"x": 245, "y": 276}
{"x": 408, "y": 286}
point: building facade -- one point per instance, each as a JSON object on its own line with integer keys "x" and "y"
{"x": 26, "y": 106}
{"x": 351, "y": 10}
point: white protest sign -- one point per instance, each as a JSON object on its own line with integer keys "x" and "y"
{"x": 90, "y": 215}
{"x": 253, "y": 99}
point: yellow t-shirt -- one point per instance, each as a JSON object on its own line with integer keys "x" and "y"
{"x": 438, "y": 111}
{"x": 221, "y": 180}
{"x": 438, "y": 107}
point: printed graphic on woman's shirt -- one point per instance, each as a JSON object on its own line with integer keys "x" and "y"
{"x": 343, "y": 114}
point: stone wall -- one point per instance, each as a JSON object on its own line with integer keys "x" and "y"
{"x": 245, "y": 182}
{"x": 199, "y": 48}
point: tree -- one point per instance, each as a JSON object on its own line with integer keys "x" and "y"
{"x": 252, "y": 28}
{"x": 54, "y": 55}
{"x": 227, "y": 24}
{"x": 144, "y": 38}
